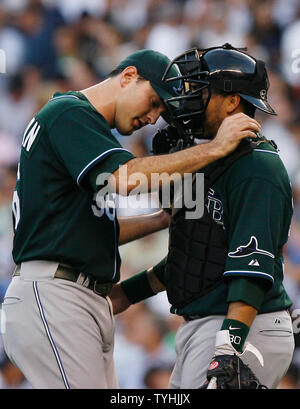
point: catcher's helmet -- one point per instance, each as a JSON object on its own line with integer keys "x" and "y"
{"x": 224, "y": 68}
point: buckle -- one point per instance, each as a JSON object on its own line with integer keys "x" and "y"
{"x": 102, "y": 289}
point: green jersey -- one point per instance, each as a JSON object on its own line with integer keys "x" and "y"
{"x": 56, "y": 215}
{"x": 252, "y": 201}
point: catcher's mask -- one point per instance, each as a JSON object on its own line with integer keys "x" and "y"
{"x": 226, "y": 69}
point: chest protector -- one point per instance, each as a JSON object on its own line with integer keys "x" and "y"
{"x": 198, "y": 248}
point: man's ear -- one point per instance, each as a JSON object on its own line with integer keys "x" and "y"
{"x": 232, "y": 103}
{"x": 127, "y": 75}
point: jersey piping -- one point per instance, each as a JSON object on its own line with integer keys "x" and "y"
{"x": 103, "y": 154}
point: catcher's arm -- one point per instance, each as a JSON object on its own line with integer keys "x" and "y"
{"x": 238, "y": 321}
{"x": 227, "y": 369}
{"x": 135, "y": 227}
{"x": 245, "y": 297}
{"x": 137, "y": 288}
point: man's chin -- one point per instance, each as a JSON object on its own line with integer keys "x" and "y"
{"x": 125, "y": 132}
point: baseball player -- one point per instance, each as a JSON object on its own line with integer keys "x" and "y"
{"x": 57, "y": 321}
{"x": 224, "y": 271}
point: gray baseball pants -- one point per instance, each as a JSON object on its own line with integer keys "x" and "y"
{"x": 58, "y": 333}
{"x": 271, "y": 334}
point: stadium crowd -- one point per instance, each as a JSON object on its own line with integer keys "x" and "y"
{"x": 53, "y": 45}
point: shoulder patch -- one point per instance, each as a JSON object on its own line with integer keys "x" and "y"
{"x": 250, "y": 248}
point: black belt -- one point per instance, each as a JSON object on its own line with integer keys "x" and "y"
{"x": 85, "y": 280}
{"x": 192, "y": 317}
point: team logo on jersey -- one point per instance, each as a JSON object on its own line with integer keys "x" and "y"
{"x": 215, "y": 207}
{"x": 250, "y": 248}
{"x": 253, "y": 263}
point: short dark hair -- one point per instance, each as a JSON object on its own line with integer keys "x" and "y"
{"x": 114, "y": 72}
{"x": 248, "y": 108}
{"x": 118, "y": 71}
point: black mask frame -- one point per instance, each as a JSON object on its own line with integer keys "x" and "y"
{"x": 185, "y": 112}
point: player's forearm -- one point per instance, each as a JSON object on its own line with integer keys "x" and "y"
{"x": 156, "y": 170}
{"x": 232, "y": 130}
{"x": 156, "y": 285}
{"x": 135, "y": 227}
{"x": 143, "y": 285}
{"x": 242, "y": 312}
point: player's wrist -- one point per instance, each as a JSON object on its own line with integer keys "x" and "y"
{"x": 238, "y": 332}
{"x": 137, "y": 288}
{"x": 214, "y": 150}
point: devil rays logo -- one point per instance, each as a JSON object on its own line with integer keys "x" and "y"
{"x": 250, "y": 248}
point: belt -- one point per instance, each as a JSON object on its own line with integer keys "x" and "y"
{"x": 85, "y": 280}
{"x": 191, "y": 317}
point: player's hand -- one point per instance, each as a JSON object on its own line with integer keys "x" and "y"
{"x": 229, "y": 372}
{"x": 119, "y": 300}
{"x": 233, "y": 129}
{"x": 227, "y": 369}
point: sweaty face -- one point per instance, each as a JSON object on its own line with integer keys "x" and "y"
{"x": 138, "y": 105}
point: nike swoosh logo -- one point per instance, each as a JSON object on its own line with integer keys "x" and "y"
{"x": 232, "y": 328}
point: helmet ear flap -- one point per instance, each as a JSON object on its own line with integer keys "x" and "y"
{"x": 260, "y": 84}
{"x": 261, "y": 74}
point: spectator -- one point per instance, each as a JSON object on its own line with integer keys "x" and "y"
{"x": 17, "y": 99}
{"x": 145, "y": 330}
{"x": 12, "y": 42}
{"x": 290, "y": 54}
{"x": 157, "y": 377}
{"x": 265, "y": 29}
{"x": 168, "y": 35}
{"x": 38, "y": 25}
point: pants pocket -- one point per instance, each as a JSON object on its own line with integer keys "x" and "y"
{"x": 11, "y": 300}
{"x": 276, "y": 332}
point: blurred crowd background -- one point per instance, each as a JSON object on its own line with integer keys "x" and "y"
{"x": 54, "y": 45}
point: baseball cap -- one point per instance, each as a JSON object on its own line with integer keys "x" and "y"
{"x": 151, "y": 65}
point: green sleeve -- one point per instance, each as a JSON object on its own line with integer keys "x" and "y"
{"x": 159, "y": 270}
{"x": 249, "y": 290}
{"x": 82, "y": 140}
{"x": 259, "y": 215}
{"x": 137, "y": 287}
{"x": 107, "y": 166}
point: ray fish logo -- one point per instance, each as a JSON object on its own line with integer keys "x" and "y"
{"x": 250, "y": 248}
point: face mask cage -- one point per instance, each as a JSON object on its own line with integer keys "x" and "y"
{"x": 186, "y": 111}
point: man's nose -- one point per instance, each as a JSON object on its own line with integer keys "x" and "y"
{"x": 153, "y": 116}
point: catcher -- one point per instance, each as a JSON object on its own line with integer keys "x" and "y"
{"x": 223, "y": 272}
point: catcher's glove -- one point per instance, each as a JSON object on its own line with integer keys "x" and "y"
{"x": 230, "y": 372}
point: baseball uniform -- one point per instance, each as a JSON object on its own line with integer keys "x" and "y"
{"x": 252, "y": 203}
{"x": 58, "y": 332}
